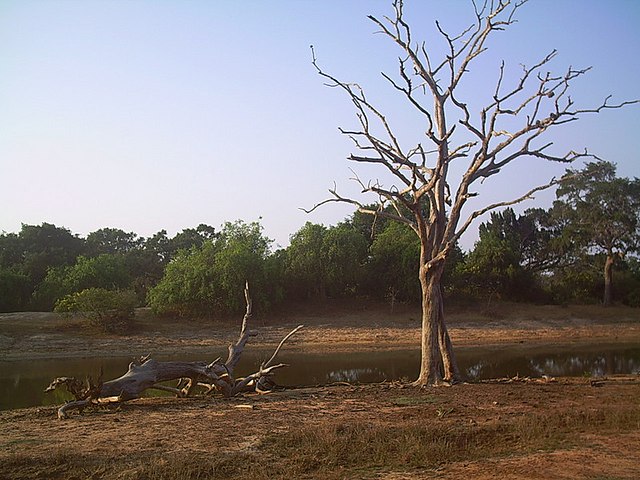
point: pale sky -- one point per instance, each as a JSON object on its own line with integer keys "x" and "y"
{"x": 156, "y": 114}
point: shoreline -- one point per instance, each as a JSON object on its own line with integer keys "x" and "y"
{"x": 25, "y": 336}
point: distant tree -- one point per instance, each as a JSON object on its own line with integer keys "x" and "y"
{"x": 395, "y": 257}
{"x": 323, "y": 261}
{"x": 191, "y": 237}
{"x": 305, "y": 269}
{"x": 577, "y": 282}
{"x": 276, "y": 284}
{"x": 29, "y": 255}
{"x": 147, "y": 263}
{"x": 15, "y": 290}
{"x": 208, "y": 280}
{"x": 112, "y": 240}
{"x": 106, "y": 271}
{"x": 368, "y": 225}
{"x": 11, "y": 250}
{"x": 343, "y": 253}
{"x": 543, "y": 247}
{"x": 511, "y": 126}
{"x": 159, "y": 246}
{"x": 511, "y": 254}
{"x": 165, "y": 248}
{"x": 628, "y": 282}
{"x": 46, "y": 246}
{"x": 495, "y": 265}
{"x": 600, "y": 214}
{"x": 243, "y": 250}
{"x": 454, "y": 280}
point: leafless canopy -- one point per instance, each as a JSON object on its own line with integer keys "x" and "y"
{"x": 421, "y": 195}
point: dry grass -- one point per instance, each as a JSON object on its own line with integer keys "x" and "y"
{"x": 341, "y": 449}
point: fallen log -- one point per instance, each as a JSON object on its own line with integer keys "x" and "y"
{"x": 147, "y": 373}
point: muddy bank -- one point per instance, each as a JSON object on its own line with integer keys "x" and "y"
{"x": 47, "y": 335}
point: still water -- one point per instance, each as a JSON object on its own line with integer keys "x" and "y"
{"x": 22, "y": 383}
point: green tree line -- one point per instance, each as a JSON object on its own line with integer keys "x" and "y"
{"x": 583, "y": 249}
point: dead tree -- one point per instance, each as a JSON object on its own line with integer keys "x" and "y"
{"x": 422, "y": 193}
{"x": 147, "y": 374}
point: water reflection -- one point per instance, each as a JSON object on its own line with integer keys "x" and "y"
{"x": 22, "y": 383}
{"x": 568, "y": 362}
{"x": 355, "y": 375}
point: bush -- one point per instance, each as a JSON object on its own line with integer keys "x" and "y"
{"x": 106, "y": 271}
{"x": 14, "y": 290}
{"x": 111, "y": 310}
{"x": 209, "y": 280}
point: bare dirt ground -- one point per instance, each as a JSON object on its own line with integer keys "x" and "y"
{"x": 538, "y": 429}
{"x": 327, "y": 328}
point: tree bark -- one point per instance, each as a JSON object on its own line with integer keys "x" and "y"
{"x": 438, "y": 364}
{"x": 449, "y": 363}
{"x": 608, "y": 280}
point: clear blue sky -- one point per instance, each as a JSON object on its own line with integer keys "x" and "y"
{"x": 144, "y": 115}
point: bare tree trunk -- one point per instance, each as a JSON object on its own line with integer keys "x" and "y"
{"x": 438, "y": 363}
{"x": 608, "y": 280}
{"x": 431, "y": 359}
{"x": 449, "y": 363}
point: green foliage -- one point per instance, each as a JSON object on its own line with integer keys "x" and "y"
{"x": 191, "y": 237}
{"x": 305, "y": 264}
{"x": 112, "y": 240}
{"x": 543, "y": 255}
{"x": 111, "y": 310}
{"x": 629, "y": 283}
{"x": 455, "y": 282}
{"x": 108, "y": 271}
{"x": 210, "y": 279}
{"x": 368, "y": 225}
{"x": 344, "y": 252}
{"x": 46, "y": 246}
{"x": 15, "y": 290}
{"x": 165, "y": 248}
{"x": 603, "y": 211}
{"x": 11, "y": 250}
{"x": 394, "y": 262}
{"x": 29, "y": 255}
{"x": 495, "y": 266}
{"x": 323, "y": 261}
{"x": 600, "y": 214}
{"x": 578, "y": 282}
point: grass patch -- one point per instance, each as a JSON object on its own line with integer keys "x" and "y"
{"x": 425, "y": 444}
{"x": 22, "y": 442}
{"x": 410, "y": 401}
{"x": 337, "y": 449}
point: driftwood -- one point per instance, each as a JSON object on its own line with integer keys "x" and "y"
{"x": 147, "y": 373}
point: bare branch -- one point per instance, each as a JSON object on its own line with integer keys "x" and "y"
{"x": 482, "y": 211}
{"x": 268, "y": 362}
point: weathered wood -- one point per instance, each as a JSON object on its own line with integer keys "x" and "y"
{"x": 148, "y": 373}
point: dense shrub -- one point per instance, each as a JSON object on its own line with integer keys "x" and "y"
{"x": 111, "y": 310}
{"x": 209, "y": 279}
{"x": 15, "y": 290}
{"x": 106, "y": 271}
